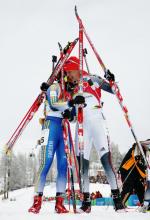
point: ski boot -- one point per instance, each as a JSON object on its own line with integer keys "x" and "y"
{"x": 148, "y": 208}
{"x": 59, "y": 207}
{"x": 118, "y": 205}
{"x": 36, "y": 205}
{"x": 144, "y": 208}
{"x": 86, "y": 204}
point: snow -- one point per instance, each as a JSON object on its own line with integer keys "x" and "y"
{"x": 14, "y": 210}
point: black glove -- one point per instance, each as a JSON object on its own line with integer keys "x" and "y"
{"x": 44, "y": 86}
{"x": 109, "y": 76}
{"x": 67, "y": 114}
{"x": 79, "y": 99}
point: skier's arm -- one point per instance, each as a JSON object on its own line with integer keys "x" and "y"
{"x": 53, "y": 98}
{"x": 104, "y": 85}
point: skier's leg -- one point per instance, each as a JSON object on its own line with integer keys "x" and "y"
{"x": 61, "y": 168}
{"x": 47, "y": 154}
{"x": 127, "y": 185}
{"x": 101, "y": 143}
{"x": 125, "y": 197}
{"x": 111, "y": 177}
{"x": 86, "y": 204}
{"x": 85, "y": 173}
{"x": 127, "y": 189}
{"x": 110, "y": 174}
{"x": 140, "y": 190}
{"x": 87, "y": 135}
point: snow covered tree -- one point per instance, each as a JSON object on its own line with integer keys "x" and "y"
{"x": 116, "y": 156}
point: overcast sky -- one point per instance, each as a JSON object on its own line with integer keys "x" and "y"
{"x": 29, "y": 32}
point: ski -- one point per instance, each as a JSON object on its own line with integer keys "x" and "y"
{"x": 80, "y": 107}
{"x": 35, "y": 106}
{"x": 115, "y": 89}
{"x": 66, "y": 136}
{"x": 89, "y": 40}
{"x": 74, "y": 156}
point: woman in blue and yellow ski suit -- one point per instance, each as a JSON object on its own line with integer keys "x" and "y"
{"x": 52, "y": 142}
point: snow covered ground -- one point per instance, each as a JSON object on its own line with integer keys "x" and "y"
{"x": 15, "y": 210}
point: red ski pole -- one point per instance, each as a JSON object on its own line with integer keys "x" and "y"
{"x": 66, "y": 136}
{"x": 80, "y": 107}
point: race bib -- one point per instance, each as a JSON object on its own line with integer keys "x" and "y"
{"x": 44, "y": 136}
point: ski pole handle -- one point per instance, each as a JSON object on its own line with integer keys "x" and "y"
{"x": 54, "y": 60}
{"x": 84, "y": 55}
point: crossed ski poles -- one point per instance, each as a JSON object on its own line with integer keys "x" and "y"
{"x": 35, "y": 106}
{"x": 114, "y": 87}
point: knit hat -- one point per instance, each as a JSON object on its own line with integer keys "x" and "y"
{"x": 72, "y": 64}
